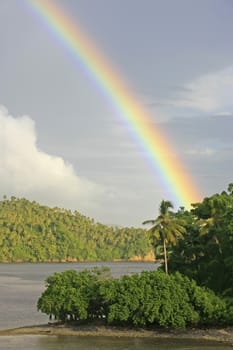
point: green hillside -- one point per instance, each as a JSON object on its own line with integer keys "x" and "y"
{"x": 32, "y": 232}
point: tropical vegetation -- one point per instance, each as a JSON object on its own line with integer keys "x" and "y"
{"x": 149, "y": 299}
{"x": 206, "y": 251}
{"x": 35, "y": 233}
{"x": 197, "y": 243}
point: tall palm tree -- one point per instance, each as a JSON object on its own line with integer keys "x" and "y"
{"x": 166, "y": 227}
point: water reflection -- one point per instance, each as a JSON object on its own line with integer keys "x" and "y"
{"x": 102, "y": 343}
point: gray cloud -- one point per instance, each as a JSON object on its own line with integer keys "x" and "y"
{"x": 25, "y": 170}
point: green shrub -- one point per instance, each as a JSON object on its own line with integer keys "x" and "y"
{"x": 70, "y": 295}
{"x": 146, "y": 299}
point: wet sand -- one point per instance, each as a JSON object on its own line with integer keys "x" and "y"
{"x": 224, "y": 335}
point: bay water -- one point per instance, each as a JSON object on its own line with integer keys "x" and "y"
{"x": 22, "y": 284}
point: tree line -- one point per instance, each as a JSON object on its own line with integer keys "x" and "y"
{"x": 30, "y": 232}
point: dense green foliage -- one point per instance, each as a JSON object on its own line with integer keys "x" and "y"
{"x": 70, "y": 295}
{"x": 146, "y": 299}
{"x": 206, "y": 252}
{"x": 32, "y": 232}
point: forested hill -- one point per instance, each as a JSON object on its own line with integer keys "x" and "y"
{"x": 32, "y": 232}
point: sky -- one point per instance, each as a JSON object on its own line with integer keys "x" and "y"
{"x": 61, "y": 141}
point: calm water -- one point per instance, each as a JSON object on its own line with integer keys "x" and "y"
{"x": 99, "y": 343}
{"x": 22, "y": 284}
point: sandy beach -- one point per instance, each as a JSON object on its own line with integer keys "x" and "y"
{"x": 224, "y": 335}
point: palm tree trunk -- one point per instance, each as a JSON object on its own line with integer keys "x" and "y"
{"x": 165, "y": 256}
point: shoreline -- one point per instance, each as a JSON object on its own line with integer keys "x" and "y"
{"x": 223, "y": 335}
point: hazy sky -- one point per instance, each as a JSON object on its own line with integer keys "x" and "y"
{"x": 62, "y": 142}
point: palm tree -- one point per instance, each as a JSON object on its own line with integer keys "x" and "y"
{"x": 165, "y": 227}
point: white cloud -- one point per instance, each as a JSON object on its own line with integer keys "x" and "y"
{"x": 208, "y": 95}
{"x": 211, "y": 93}
{"x": 27, "y": 171}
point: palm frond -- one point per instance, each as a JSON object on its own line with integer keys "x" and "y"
{"x": 152, "y": 222}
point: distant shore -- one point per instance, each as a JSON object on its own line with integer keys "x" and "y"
{"x": 224, "y": 335}
{"x": 149, "y": 258}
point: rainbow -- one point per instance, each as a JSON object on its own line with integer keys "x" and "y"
{"x": 176, "y": 180}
